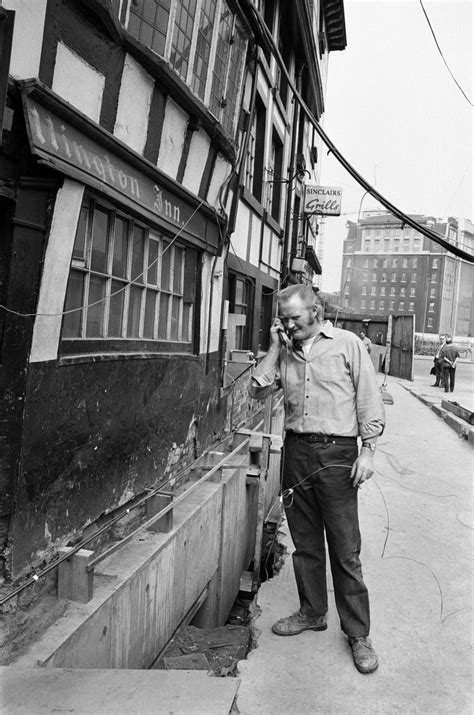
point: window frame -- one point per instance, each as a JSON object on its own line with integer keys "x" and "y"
{"x": 243, "y": 334}
{"x": 219, "y": 71}
{"x": 141, "y": 242}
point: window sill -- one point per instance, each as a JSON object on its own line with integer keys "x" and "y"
{"x": 115, "y": 357}
{"x": 75, "y": 350}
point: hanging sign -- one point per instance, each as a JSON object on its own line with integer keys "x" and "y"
{"x": 322, "y": 200}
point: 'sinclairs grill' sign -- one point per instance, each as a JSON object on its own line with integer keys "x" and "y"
{"x": 322, "y": 200}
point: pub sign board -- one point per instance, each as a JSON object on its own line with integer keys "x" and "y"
{"x": 322, "y": 200}
{"x": 81, "y": 157}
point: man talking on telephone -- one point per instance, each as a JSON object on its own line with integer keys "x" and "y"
{"x": 331, "y": 397}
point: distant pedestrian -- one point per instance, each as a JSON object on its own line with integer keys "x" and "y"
{"x": 438, "y": 363}
{"x": 449, "y": 354}
{"x": 367, "y": 342}
{"x": 331, "y": 397}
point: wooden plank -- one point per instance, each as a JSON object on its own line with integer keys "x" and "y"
{"x": 252, "y": 475}
{"x": 75, "y": 581}
{"x": 260, "y": 516}
{"x": 246, "y": 582}
{"x": 154, "y": 505}
{"x": 458, "y": 410}
{"x": 276, "y": 443}
{"x": 256, "y": 442}
{"x": 188, "y": 661}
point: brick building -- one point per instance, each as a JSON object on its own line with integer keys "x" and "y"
{"x": 390, "y": 268}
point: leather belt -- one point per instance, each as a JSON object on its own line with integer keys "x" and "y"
{"x": 316, "y": 437}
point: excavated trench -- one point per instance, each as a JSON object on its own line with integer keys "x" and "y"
{"x": 219, "y": 650}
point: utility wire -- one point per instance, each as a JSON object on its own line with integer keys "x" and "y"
{"x": 404, "y": 218}
{"x": 442, "y": 56}
{"x": 169, "y": 242}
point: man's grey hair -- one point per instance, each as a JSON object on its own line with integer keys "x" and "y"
{"x": 449, "y": 338}
{"x": 305, "y": 293}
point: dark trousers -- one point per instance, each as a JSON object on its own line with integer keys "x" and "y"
{"x": 325, "y": 502}
{"x": 439, "y": 374}
{"x": 449, "y": 374}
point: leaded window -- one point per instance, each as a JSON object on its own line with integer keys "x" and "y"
{"x": 128, "y": 282}
{"x": 204, "y": 42}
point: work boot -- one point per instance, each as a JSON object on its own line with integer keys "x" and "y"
{"x": 365, "y": 657}
{"x": 299, "y": 622}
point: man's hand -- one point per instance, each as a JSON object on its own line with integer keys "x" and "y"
{"x": 276, "y": 328}
{"x": 363, "y": 468}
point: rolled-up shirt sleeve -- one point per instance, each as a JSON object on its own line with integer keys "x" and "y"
{"x": 369, "y": 404}
{"x": 264, "y": 383}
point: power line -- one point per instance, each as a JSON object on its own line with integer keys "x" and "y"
{"x": 404, "y": 218}
{"x": 442, "y": 56}
{"x": 113, "y": 293}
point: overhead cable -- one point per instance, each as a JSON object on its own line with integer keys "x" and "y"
{"x": 404, "y": 218}
{"x": 442, "y": 56}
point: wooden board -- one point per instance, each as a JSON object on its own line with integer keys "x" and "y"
{"x": 459, "y": 411}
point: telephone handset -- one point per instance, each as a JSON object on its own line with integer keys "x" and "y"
{"x": 284, "y": 338}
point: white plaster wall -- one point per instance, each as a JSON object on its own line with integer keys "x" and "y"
{"x": 136, "y": 90}
{"x": 240, "y": 236}
{"x": 76, "y": 81}
{"x": 220, "y": 174}
{"x": 172, "y": 139}
{"x": 279, "y": 124}
{"x": 197, "y": 158}
{"x": 27, "y": 36}
{"x": 211, "y": 341}
{"x": 255, "y": 242}
{"x": 266, "y": 243}
{"x": 47, "y": 328}
{"x": 229, "y": 200}
{"x": 263, "y": 86}
{"x": 275, "y": 253}
{"x": 247, "y": 93}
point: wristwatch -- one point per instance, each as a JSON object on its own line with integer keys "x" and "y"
{"x": 369, "y": 445}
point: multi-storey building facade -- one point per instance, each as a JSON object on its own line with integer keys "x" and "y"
{"x": 464, "y": 282}
{"x": 272, "y": 241}
{"x": 152, "y": 167}
{"x": 390, "y": 268}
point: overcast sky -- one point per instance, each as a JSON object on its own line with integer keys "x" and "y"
{"x": 396, "y": 114}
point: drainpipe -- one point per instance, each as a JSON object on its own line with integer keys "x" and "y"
{"x": 285, "y": 268}
{"x": 236, "y": 177}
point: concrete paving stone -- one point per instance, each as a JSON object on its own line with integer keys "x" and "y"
{"x": 416, "y": 523}
{"x": 27, "y": 691}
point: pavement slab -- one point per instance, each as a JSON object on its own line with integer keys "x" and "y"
{"x": 416, "y": 523}
{"x": 433, "y": 397}
{"x": 27, "y": 691}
